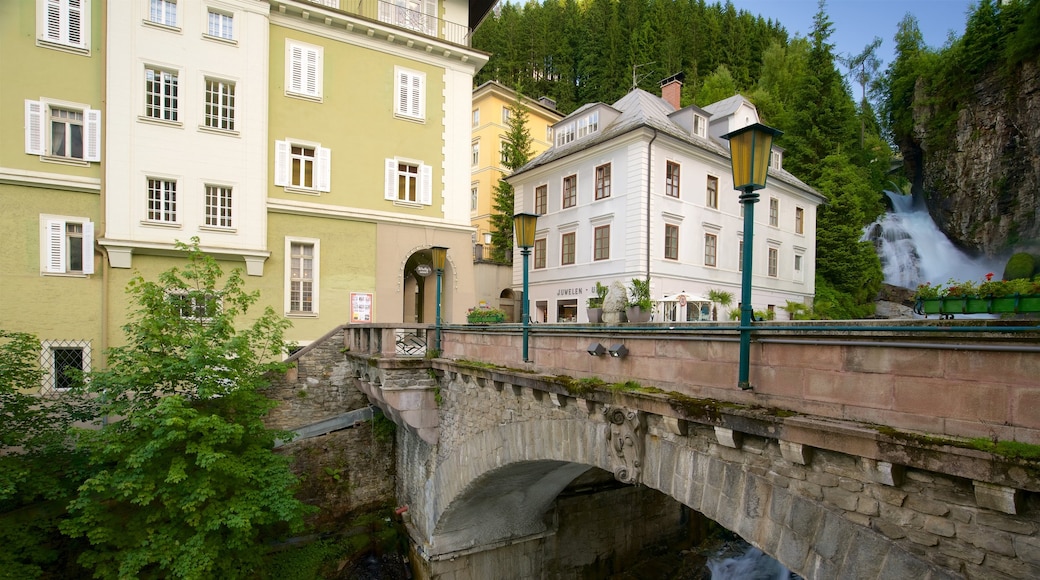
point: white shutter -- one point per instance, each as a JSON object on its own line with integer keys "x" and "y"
{"x": 425, "y": 184}
{"x": 430, "y": 21}
{"x": 93, "y": 136}
{"x": 311, "y": 72}
{"x": 35, "y": 127}
{"x": 281, "y": 163}
{"x": 88, "y": 247}
{"x": 295, "y": 69}
{"x": 390, "y": 183}
{"x": 418, "y": 103}
{"x": 54, "y": 18}
{"x": 402, "y": 93}
{"x": 75, "y": 22}
{"x": 55, "y": 246}
{"x": 324, "y": 169}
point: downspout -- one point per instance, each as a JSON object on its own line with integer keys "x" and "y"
{"x": 103, "y": 199}
{"x": 649, "y": 175}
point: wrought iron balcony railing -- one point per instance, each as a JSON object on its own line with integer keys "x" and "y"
{"x": 407, "y": 14}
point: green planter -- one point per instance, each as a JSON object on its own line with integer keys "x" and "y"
{"x": 978, "y": 305}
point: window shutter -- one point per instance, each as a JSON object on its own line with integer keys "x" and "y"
{"x": 390, "y": 183}
{"x": 295, "y": 68}
{"x": 430, "y": 21}
{"x": 55, "y": 246}
{"x": 75, "y": 16}
{"x": 324, "y": 169}
{"x": 88, "y": 247}
{"x": 311, "y": 72}
{"x": 418, "y": 104}
{"x": 281, "y": 163}
{"x": 425, "y": 184}
{"x": 93, "y": 136}
{"x": 34, "y": 127}
{"x": 402, "y": 93}
{"x": 54, "y": 10}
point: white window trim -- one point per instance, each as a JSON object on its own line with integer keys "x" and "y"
{"x": 53, "y": 250}
{"x": 799, "y": 273}
{"x": 176, "y": 16}
{"x": 207, "y": 78}
{"x": 206, "y": 11}
{"x": 47, "y": 361}
{"x": 316, "y": 276}
{"x": 322, "y": 166}
{"x": 177, "y": 82}
{"x": 233, "y": 213}
{"x": 178, "y": 208}
{"x": 424, "y": 195}
{"x": 42, "y": 38}
{"x": 409, "y": 94}
{"x": 37, "y": 134}
{"x": 308, "y": 74}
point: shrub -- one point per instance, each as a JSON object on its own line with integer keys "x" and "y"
{"x": 1020, "y": 265}
{"x": 485, "y": 316}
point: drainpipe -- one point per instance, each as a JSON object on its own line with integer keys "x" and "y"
{"x": 649, "y": 174}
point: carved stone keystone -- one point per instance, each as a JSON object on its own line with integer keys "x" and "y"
{"x": 625, "y": 437}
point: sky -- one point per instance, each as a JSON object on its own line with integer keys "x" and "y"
{"x": 857, "y": 22}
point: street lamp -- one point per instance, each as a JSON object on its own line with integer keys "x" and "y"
{"x": 749, "y": 149}
{"x": 523, "y": 227}
{"x": 440, "y": 254}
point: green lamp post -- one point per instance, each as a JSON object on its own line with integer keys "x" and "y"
{"x": 440, "y": 255}
{"x": 749, "y": 149}
{"x": 524, "y": 225}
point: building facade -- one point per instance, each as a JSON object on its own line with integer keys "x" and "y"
{"x": 643, "y": 189}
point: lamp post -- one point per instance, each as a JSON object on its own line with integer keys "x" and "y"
{"x": 749, "y": 149}
{"x": 523, "y": 228}
{"x": 440, "y": 254}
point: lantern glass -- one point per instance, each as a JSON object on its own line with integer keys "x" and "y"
{"x": 749, "y": 153}
{"x": 524, "y": 225}
{"x": 440, "y": 255}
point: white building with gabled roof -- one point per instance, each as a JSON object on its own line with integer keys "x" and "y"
{"x": 643, "y": 188}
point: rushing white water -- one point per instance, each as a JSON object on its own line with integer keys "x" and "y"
{"x": 914, "y": 251}
{"x": 751, "y": 565}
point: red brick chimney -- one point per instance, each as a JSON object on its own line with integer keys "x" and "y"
{"x": 671, "y": 88}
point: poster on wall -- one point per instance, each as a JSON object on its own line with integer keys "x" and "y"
{"x": 360, "y": 307}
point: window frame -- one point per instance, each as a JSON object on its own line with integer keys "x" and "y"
{"x": 55, "y": 246}
{"x": 773, "y": 260}
{"x": 224, "y": 17}
{"x": 603, "y": 181}
{"x": 167, "y": 109}
{"x": 409, "y": 94}
{"x": 601, "y": 243}
{"x": 568, "y": 247}
{"x": 672, "y": 182}
{"x": 186, "y": 301}
{"x": 165, "y": 9}
{"x": 541, "y": 199}
{"x": 711, "y": 250}
{"x": 165, "y": 205}
{"x": 539, "y": 253}
{"x": 774, "y": 212}
{"x": 283, "y": 169}
{"x": 671, "y": 242}
{"x": 711, "y": 192}
{"x": 218, "y": 205}
{"x": 475, "y": 154}
{"x": 61, "y": 26}
{"x": 799, "y": 267}
{"x": 39, "y": 131}
{"x": 304, "y": 78}
{"x": 225, "y": 113}
{"x": 49, "y": 378}
{"x": 569, "y": 193}
{"x": 799, "y": 220}
{"x": 476, "y": 117}
{"x": 423, "y": 176}
{"x": 314, "y": 279}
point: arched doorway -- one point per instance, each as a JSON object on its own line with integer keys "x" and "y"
{"x": 419, "y": 293}
{"x": 507, "y": 304}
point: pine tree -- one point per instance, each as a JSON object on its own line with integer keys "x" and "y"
{"x": 517, "y": 151}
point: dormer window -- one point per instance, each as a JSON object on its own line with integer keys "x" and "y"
{"x": 577, "y": 129}
{"x": 775, "y": 158}
{"x": 700, "y": 126}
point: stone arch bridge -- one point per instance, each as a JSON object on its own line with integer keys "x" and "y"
{"x": 846, "y": 461}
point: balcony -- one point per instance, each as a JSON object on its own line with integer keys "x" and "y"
{"x": 400, "y": 15}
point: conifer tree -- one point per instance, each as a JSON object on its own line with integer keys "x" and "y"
{"x": 517, "y": 152}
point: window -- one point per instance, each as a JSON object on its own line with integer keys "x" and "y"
{"x": 473, "y": 198}
{"x": 62, "y": 362}
{"x": 163, "y": 12}
{"x": 548, "y": 134}
{"x": 799, "y": 220}
{"x": 301, "y": 274}
{"x": 220, "y": 25}
{"x": 62, "y": 131}
{"x": 64, "y": 22}
{"x": 711, "y": 198}
{"x": 740, "y": 256}
{"x": 567, "y": 249}
{"x": 303, "y": 69}
{"x": 774, "y": 255}
{"x": 798, "y": 276}
{"x": 162, "y": 200}
{"x": 570, "y": 191}
{"x": 671, "y": 179}
{"x": 475, "y": 154}
{"x": 565, "y": 134}
{"x": 408, "y": 181}
{"x": 671, "y": 242}
{"x": 302, "y": 166}
{"x": 503, "y": 156}
{"x": 541, "y": 199}
{"x": 218, "y": 206}
{"x": 476, "y": 117}
{"x": 774, "y": 211}
{"x": 699, "y": 126}
{"x": 505, "y": 115}
{"x": 160, "y": 89}
{"x": 601, "y": 243}
{"x": 603, "y": 181}
{"x": 711, "y": 242}
{"x": 775, "y": 159}
{"x": 66, "y": 245}
{"x": 220, "y": 105}
{"x": 195, "y": 305}
{"x": 410, "y": 88}
{"x": 539, "y": 253}
{"x": 329, "y": 3}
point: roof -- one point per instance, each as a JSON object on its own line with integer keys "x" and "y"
{"x": 639, "y": 109}
{"x": 510, "y": 95}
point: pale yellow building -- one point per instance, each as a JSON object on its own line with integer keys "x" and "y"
{"x": 491, "y": 104}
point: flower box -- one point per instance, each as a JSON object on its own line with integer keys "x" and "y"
{"x": 978, "y": 305}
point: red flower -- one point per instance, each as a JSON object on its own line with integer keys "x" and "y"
{"x": 989, "y": 276}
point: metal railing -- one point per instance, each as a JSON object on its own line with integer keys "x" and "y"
{"x": 399, "y": 14}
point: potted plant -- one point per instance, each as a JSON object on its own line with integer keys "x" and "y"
{"x": 991, "y": 296}
{"x": 640, "y": 306}
{"x": 485, "y": 316}
{"x": 720, "y": 297}
{"x": 595, "y": 303}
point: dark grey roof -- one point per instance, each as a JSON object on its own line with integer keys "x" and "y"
{"x": 640, "y": 109}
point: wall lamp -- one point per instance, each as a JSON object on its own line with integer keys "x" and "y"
{"x": 597, "y": 349}
{"x": 618, "y": 351}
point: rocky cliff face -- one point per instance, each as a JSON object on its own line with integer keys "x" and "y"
{"x": 983, "y": 190}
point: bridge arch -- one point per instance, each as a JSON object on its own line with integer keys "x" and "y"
{"x": 497, "y": 484}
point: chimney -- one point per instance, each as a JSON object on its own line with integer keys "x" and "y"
{"x": 671, "y": 87}
{"x": 547, "y": 102}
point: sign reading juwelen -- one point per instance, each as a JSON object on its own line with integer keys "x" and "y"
{"x": 360, "y": 307}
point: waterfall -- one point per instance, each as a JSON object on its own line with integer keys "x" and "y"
{"x": 751, "y": 565}
{"x": 914, "y": 251}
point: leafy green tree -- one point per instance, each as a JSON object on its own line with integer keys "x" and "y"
{"x": 186, "y": 482}
{"x": 517, "y": 150}
{"x": 717, "y": 86}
